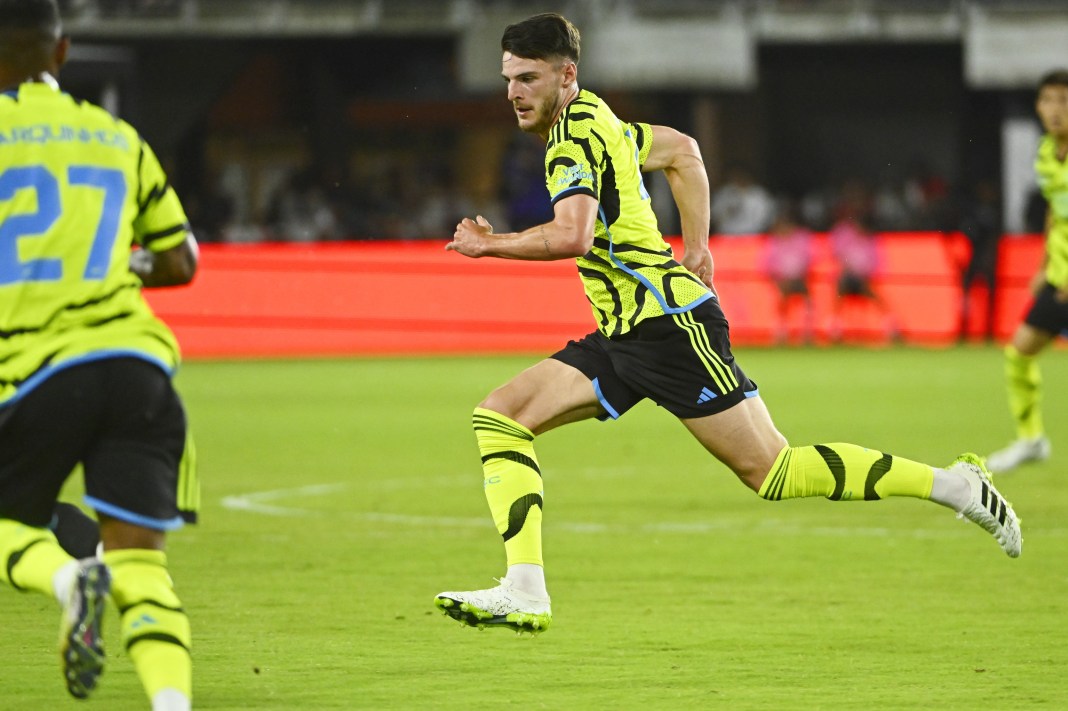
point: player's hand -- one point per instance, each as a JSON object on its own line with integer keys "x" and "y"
{"x": 470, "y": 236}
{"x": 700, "y": 263}
{"x": 1062, "y": 295}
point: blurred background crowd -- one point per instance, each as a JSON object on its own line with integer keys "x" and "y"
{"x": 311, "y": 120}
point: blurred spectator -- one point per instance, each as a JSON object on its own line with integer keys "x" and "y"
{"x": 787, "y": 262}
{"x": 741, "y": 206}
{"x": 981, "y": 224}
{"x": 210, "y": 210}
{"x": 856, "y": 249}
{"x": 1035, "y": 212}
{"x": 523, "y": 191}
{"x": 301, "y": 211}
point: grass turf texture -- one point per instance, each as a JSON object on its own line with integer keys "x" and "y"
{"x": 673, "y": 586}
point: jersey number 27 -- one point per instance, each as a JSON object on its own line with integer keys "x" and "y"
{"x": 49, "y": 208}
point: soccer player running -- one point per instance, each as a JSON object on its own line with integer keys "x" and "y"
{"x": 661, "y": 334}
{"x": 1048, "y": 314}
{"x": 85, "y": 367}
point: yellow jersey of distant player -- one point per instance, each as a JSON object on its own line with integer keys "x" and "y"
{"x": 630, "y": 273}
{"x": 1052, "y": 176}
{"x": 78, "y": 187}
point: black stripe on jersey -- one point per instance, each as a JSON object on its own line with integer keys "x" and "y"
{"x": 70, "y": 307}
{"x": 140, "y": 164}
{"x": 640, "y": 294}
{"x": 610, "y": 289}
{"x": 557, "y": 162}
{"x": 639, "y": 136}
{"x": 44, "y": 364}
{"x": 109, "y": 319}
{"x": 645, "y": 250}
{"x": 154, "y": 195}
{"x": 670, "y": 278}
{"x": 153, "y": 236}
{"x": 580, "y": 102}
{"x": 580, "y": 116}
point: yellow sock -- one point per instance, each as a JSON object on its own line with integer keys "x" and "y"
{"x": 844, "y": 472}
{"x": 29, "y": 557}
{"x": 1024, "y": 382}
{"x": 512, "y": 483}
{"x": 155, "y": 629}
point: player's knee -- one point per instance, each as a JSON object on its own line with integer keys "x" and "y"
{"x": 501, "y": 402}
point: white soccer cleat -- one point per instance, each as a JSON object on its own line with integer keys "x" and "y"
{"x": 502, "y": 606}
{"x": 987, "y": 508}
{"x": 81, "y": 643}
{"x": 1036, "y": 449}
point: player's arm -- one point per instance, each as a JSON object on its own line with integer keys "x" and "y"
{"x": 170, "y": 267}
{"x": 679, "y": 157}
{"x": 569, "y": 235}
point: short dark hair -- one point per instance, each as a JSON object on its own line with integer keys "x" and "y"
{"x": 39, "y": 15}
{"x": 1058, "y": 77}
{"x": 544, "y": 36}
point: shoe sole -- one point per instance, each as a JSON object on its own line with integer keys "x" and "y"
{"x": 82, "y": 644}
{"x": 472, "y": 616}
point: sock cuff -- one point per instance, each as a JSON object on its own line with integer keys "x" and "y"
{"x": 773, "y": 484}
{"x": 483, "y": 419}
{"x": 135, "y": 555}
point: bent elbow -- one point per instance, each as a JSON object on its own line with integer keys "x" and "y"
{"x": 579, "y": 244}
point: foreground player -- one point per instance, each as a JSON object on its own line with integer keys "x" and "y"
{"x": 661, "y": 335}
{"x": 1048, "y": 314}
{"x": 84, "y": 365}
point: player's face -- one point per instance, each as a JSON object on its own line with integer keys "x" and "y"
{"x": 1052, "y": 108}
{"x": 536, "y": 89}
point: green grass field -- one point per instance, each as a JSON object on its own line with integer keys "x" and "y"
{"x": 340, "y": 496}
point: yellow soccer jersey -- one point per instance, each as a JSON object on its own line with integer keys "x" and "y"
{"x": 630, "y": 274}
{"x": 78, "y": 187}
{"x": 1053, "y": 181}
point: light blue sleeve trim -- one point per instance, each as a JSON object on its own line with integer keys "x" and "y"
{"x": 753, "y": 393}
{"x": 604, "y": 403}
{"x": 156, "y": 524}
{"x": 42, "y": 375}
{"x": 567, "y": 191}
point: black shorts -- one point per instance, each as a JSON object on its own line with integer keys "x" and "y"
{"x": 682, "y": 362}
{"x": 120, "y": 418}
{"x": 1047, "y": 313}
{"x": 793, "y": 287}
{"x": 854, "y": 285}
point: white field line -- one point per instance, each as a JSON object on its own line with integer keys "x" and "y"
{"x": 256, "y": 502}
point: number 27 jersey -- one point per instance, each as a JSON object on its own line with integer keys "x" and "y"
{"x": 78, "y": 187}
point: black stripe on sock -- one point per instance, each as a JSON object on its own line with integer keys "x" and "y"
{"x": 513, "y": 456}
{"x": 155, "y": 637}
{"x": 151, "y": 603}
{"x": 14, "y": 558}
{"x": 837, "y": 468}
{"x": 778, "y": 479}
{"x": 517, "y": 514}
{"x": 877, "y": 472}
